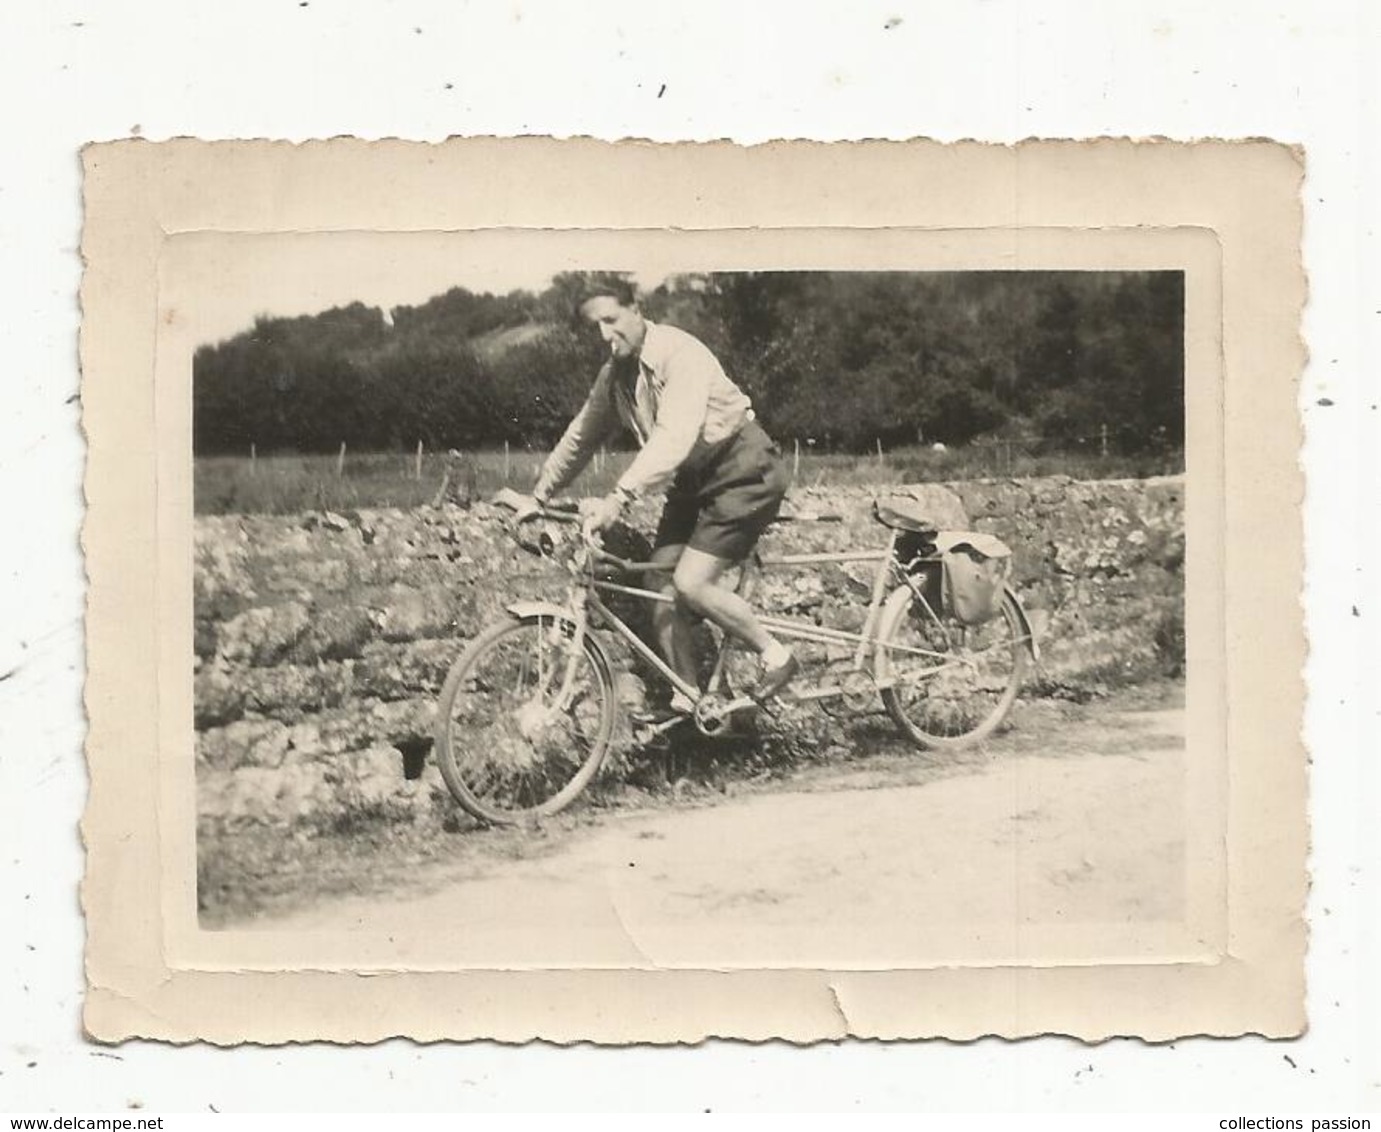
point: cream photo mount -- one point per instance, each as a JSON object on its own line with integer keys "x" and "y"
{"x": 169, "y": 225}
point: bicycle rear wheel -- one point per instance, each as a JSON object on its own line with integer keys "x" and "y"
{"x": 949, "y": 685}
{"x": 509, "y": 744}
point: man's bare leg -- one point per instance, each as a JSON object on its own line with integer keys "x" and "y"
{"x": 697, "y": 584}
{"x": 670, "y": 623}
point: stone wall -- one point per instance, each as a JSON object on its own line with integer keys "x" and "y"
{"x": 321, "y": 639}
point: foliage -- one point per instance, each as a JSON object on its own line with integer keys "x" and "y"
{"x": 847, "y": 360}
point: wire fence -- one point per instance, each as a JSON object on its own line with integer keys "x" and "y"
{"x": 286, "y": 483}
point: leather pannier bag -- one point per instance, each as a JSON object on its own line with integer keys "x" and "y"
{"x": 976, "y": 569}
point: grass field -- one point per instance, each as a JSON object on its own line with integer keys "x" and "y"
{"x": 289, "y": 484}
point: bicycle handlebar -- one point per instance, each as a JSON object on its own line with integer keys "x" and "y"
{"x": 565, "y": 511}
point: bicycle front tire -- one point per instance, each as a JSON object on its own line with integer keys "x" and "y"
{"x": 505, "y": 748}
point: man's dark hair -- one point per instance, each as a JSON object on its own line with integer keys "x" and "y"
{"x": 620, "y": 290}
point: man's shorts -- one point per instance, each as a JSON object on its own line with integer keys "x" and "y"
{"x": 723, "y": 504}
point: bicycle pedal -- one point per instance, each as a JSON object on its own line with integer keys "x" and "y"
{"x": 658, "y": 718}
{"x": 742, "y": 703}
{"x": 651, "y": 738}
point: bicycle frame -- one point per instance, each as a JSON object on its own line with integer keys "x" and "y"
{"x": 585, "y": 597}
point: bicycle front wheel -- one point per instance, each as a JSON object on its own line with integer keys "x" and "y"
{"x": 946, "y": 684}
{"x": 525, "y": 718}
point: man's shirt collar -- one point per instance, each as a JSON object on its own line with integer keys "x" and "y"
{"x": 656, "y": 347}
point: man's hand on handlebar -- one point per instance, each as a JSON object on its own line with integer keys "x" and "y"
{"x": 601, "y": 516}
{"x": 523, "y": 507}
{"x": 592, "y": 514}
{"x": 526, "y": 507}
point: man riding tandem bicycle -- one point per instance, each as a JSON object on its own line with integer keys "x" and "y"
{"x": 528, "y": 711}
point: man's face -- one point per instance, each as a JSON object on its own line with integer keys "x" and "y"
{"x": 621, "y": 327}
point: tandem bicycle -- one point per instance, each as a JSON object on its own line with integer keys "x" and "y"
{"x": 528, "y": 711}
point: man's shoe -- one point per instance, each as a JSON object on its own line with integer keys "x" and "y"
{"x": 680, "y": 707}
{"x": 777, "y": 678}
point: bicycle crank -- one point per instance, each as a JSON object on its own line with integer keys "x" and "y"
{"x": 714, "y": 714}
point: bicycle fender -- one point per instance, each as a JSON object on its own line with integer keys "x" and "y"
{"x": 522, "y": 609}
{"x": 1027, "y": 630}
{"x": 891, "y": 609}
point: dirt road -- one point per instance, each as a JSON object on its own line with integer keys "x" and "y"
{"x": 998, "y": 860}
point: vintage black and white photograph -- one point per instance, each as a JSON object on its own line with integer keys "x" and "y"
{"x": 835, "y": 540}
{"x": 688, "y": 617}
{"x": 647, "y": 632}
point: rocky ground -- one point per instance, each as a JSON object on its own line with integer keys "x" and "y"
{"x": 1098, "y": 813}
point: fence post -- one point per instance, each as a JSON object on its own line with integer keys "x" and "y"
{"x": 253, "y": 460}
{"x": 796, "y": 459}
{"x": 417, "y": 470}
{"x": 340, "y": 461}
{"x": 1103, "y": 438}
{"x": 505, "y": 461}
{"x": 879, "y": 444}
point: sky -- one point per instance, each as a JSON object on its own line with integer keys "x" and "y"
{"x": 217, "y": 283}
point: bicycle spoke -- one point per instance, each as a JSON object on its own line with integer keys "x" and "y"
{"x": 508, "y": 749}
{"x": 951, "y": 683}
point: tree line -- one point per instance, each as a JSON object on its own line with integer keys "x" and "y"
{"x": 844, "y": 359}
